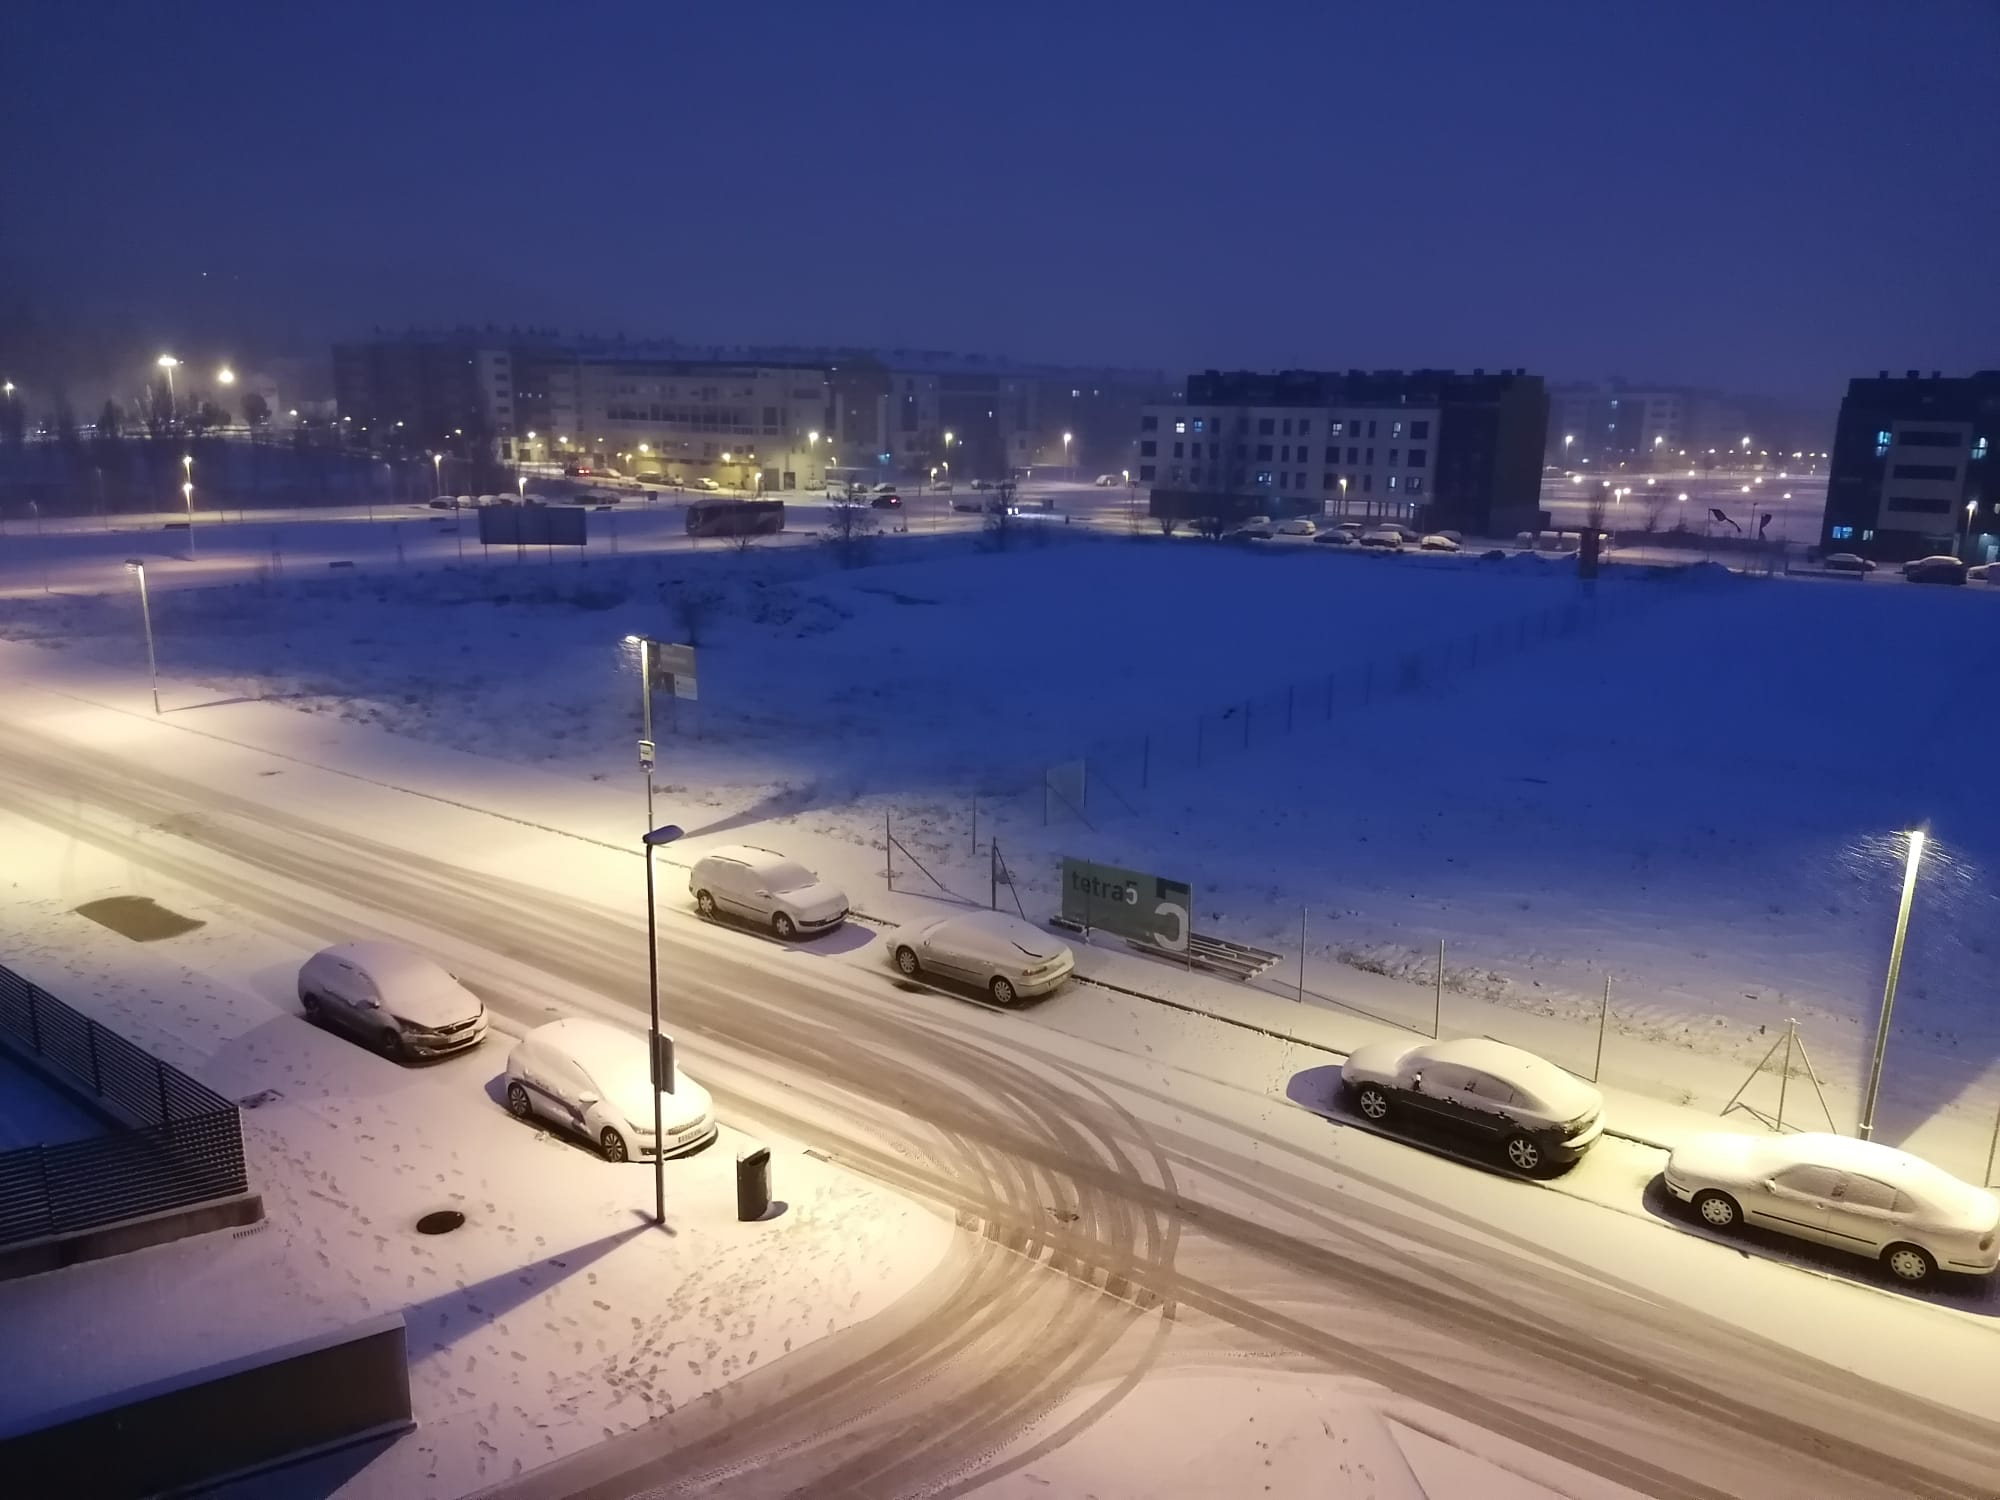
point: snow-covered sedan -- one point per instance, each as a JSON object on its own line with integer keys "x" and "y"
{"x": 593, "y": 1079}
{"x": 398, "y": 1001}
{"x": 1338, "y": 537}
{"x": 1940, "y": 567}
{"x": 765, "y": 888}
{"x": 1298, "y": 526}
{"x": 1008, "y": 958}
{"x": 1387, "y": 538}
{"x": 1858, "y": 1196}
{"x": 1437, "y": 541}
{"x": 1846, "y": 562}
{"x": 1470, "y": 1087}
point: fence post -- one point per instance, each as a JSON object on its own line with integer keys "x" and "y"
{"x": 1785, "y": 1072}
{"x": 1603, "y": 1014}
{"x": 975, "y": 823}
{"x": 1437, "y": 995}
{"x": 888, "y": 863}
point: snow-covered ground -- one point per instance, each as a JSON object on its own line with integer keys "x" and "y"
{"x": 558, "y": 1315}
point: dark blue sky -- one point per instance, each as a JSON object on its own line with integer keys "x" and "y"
{"x": 1770, "y": 195}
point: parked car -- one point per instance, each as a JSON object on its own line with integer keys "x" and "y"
{"x": 1494, "y": 554}
{"x": 1451, "y": 536}
{"x": 1847, "y": 562}
{"x": 1437, "y": 541}
{"x": 1859, "y": 1196}
{"x": 1384, "y": 537}
{"x": 443, "y": 502}
{"x": 1298, "y": 526}
{"x": 1474, "y": 1088}
{"x": 595, "y": 1080}
{"x": 886, "y": 487}
{"x": 1105, "y": 481}
{"x": 703, "y": 482}
{"x": 1257, "y": 528}
{"x": 982, "y": 484}
{"x": 396, "y": 1000}
{"x": 1008, "y": 958}
{"x": 1338, "y": 537}
{"x": 973, "y": 503}
{"x": 760, "y": 886}
{"x": 1352, "y": 528}
{"x": 1409, "y": 536}
{"x": 576, "y": 469}
{"x": 886, "y": 500}
{"x": 1940, "y": 568}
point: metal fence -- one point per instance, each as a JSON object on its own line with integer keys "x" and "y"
{"x": 183, "y": 1143}
{"x": 1111, "y": 777}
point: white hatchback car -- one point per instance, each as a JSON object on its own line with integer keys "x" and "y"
{"x": 593, "y": 1079}
{"x": 1859, "y": 1196}
{"x": 1003, "y": 955}
{"x": 1298, "y": 526}
{"x": 396, "y": 1000}
{"x": 741, "y": 880}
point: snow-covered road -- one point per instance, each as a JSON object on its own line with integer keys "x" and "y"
{"x": 1110, "y": 1199}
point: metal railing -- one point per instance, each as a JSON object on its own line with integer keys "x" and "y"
{"x": 182, "y": 1144}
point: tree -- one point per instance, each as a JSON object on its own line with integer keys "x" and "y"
{"x": 109, "y": 420}
{"x": 850, "y": 528}
{"x": 256, "y": 410}
{"x": 1002, "y": 521}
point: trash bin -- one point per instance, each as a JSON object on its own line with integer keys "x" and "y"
{"x": 753, "y": 1183}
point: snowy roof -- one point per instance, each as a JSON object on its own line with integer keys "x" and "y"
{"x": 389, "y": 961}
{"x": 993, "y": 932}
{"x": 785, "y": 874}
{"x": 1560, "y": 1090}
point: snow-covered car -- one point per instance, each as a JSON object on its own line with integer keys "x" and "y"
{"x": 982, "y": 484}
{"x": 1846, "y": 562}
{"x": 443, "y": 502}
{"x": 1338, "y": 537}
{"x": 1386, "y": 538}
{"x": 1859, "y": 1196}
{"x": 1298, "y": 526}
{"x": 1105, "y": 481}
{"x": 1252, "y": 528}
{"x": 1006, "y": 957}
{"x": 741, "y": 880}
{"x": 1409, "y": 536}
{"x": 403, "y": 1004}
{"x": 703, "y": 482}
{"x": 594, "y": 1080}
{"x": 1437, "y": 541}
{"x": 1539, "y": 1115}
{"x": 886, "y": 487}
{"x": 1939, "y": 568}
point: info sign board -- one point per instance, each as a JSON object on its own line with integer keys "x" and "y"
{"x": 1146, "y": 908}
{"x": 673, "y": 669}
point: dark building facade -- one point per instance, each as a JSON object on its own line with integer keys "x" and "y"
{"x": 1436, "y": 448}
{"x": 1913, "y": 471}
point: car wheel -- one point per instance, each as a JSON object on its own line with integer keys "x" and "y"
{"x": 906, "y": 960}
{"x": 705, "y": 904}
{"x": 784, "y": 927}
{"x": 612, "y": 1144}
{"x": 1372, "y": 1102}
{"x": 393, "y": 1046}
{"x": 1525, "y": 1154}
{"x": 309, "y": 1003}
{"x": 1909, "y": 1264}
{"x": 1717, "y": 1210}
{"x": 519, "y": 1105}
{"x": 1003, "y": 992}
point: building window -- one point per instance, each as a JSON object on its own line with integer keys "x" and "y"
{"x": 1417, "y": 457}
{"x": 1371, "y": 451}
{"x": 1265, "y": 425}
{"x": 1149, "y": 424}
{"x": 1288, "y": 427}
{"x": 1286, "y": 453}
{"x": 1367, "y": 484}
{"x": 1944, "y": 472}
{"x": 1371, "y": 427}
{"x": 1327, "y": 481}
{"x": 1264, "y": 478}
{"x": 1177, "y": 449}
{"x": 1146, "y": 473}
{"x": 1881, "y": 444}
{"x": 1333, "y": 429}
{"x": 1263, "y": 452}
{"x": 1395, "y": 431}
{"x": 1420, "y": 430}
{"x": 1148, "y": 448}
{"x": 1414, "y": 484}
{"x": 1978, "y": 449}
{"x": 1868, "y": 534}
{"x": 1353, "y": 456}
{"x": 1394, "y": 451}
{"x": 1927, "y": 438}
{"x": 1180, "y": 427}
{"x": 1912, "y": 505}
{"x": 1392, "y": 481}
{"x": 1200, "y": 423}
{"x": 1842, "y": 533}
{"x": 1175, "y": 475}
{"x": 1305, "y": 426}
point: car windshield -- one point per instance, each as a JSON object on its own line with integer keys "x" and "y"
{"x": 784, "y": 875}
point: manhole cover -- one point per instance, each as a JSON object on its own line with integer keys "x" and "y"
{"x": 139, "y": 918}
{"x": 444, "y": 1221}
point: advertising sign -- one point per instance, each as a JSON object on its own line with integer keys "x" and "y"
{"x": 1146, "y": 908}
{"x": 673, "y": 667}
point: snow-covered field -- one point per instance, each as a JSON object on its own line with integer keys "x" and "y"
{"x": 1699, "y": 798}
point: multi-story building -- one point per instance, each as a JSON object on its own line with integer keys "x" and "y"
{"x": 1913, "y": 469}
{"x": 1432, "y": 447}
{"x": 782, "y": 417}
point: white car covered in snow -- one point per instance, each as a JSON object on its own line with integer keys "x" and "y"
{"x": 741, "y": 880}
{"x": 593, "y": 1079}
{"x": 1298, "y": 526}
{"x": 1437, "y": 541}
{"x": 1008, "y": 958}
{"x": 1859, "y": 1196}
{"x": 1480, "y": 1091}
{"x": 398, "y": 1001}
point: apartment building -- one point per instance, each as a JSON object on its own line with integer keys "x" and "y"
{"x": 1913, "y": 470}
{"x": 1429, "y": 447}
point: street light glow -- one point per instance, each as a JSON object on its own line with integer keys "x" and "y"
{"x": 226, "y": 375}
{"x": 167, "y": 362}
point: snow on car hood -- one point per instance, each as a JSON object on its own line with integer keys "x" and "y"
{"x": 1376, "y": 1060}
{"x": 689, "y": 1101}
{"x": 437, "y": 1003}
{"x": 817, "y": 899}
{"x": 1719, "y": 1155}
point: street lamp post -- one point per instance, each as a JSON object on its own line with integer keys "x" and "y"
{"x": 1912, "y": 858}
{"x": 136, "y": 565}
{"x": 1066, "y": 463}
{"x": 659, "y": 1062}
{"x": 187, "y": 499}
{"x": 167, "y": 362}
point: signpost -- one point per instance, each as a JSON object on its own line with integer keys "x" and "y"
{"x": 1148, "y": 909}
{"x": 673, "y": 670}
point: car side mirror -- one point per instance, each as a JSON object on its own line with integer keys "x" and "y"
{"x": 1417, "y": 1082}
{"x": 586, "y": 1100}
{"x": 1770, "y": 1184}
{"x": 763, "y": 893}
{"x": 368, "y": 1004}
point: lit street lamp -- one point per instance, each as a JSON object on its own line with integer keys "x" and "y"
{"x": 187, "y": 496}
{"x": 1066, "y": 464}
{"x": 226, "y": 376}
{"x": 437, "y": 471}
{"x": 168, "y": 363}
{"x": 136, "y": 565}
{"x": 1912, "y": 859}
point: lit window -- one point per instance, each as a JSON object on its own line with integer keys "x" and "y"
{"x": 1182, "y": 427}
{"x": 1868, "y": 534}
{"x": 1414, "y": 484}
{"x": 1881, "y": 444}
{"x": 1392, "y": 478}
{"x": 1396, "y": 428}
{"x": 1979, "y": 447}
{"x": 1200, "y": 424}
{"x": 1842, "y": 533}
